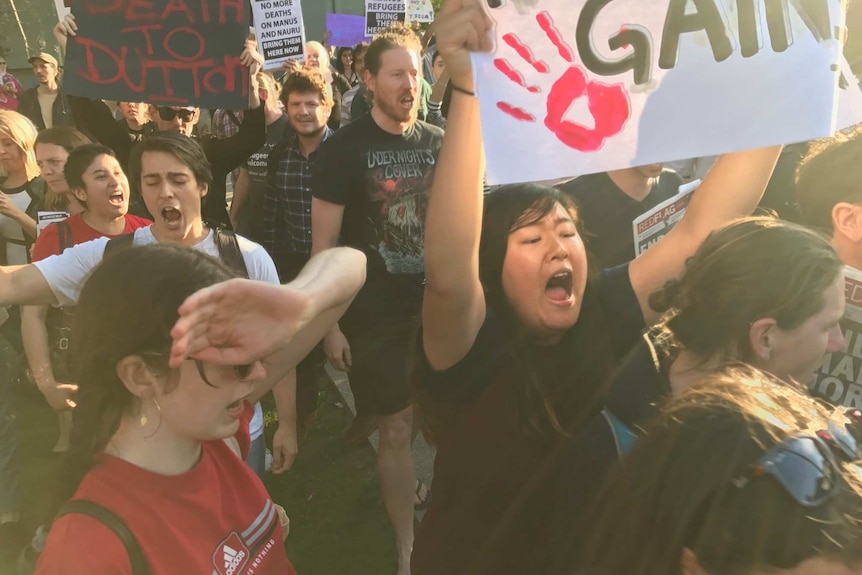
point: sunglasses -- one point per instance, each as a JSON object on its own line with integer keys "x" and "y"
{"x": 805, "y": 466}
{"x": 168, "y": 114}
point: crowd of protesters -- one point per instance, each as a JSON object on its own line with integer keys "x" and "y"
{"x": 592, "y": 412}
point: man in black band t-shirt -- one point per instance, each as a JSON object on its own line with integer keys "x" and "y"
{"x": 370, "y": 186}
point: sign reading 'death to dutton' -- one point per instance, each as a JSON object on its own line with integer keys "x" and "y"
{"x": 279, "y": 30}
{"x": 380, "y": 14}
{"x": 583, "y": 86}
{"x": 166, "y": 52}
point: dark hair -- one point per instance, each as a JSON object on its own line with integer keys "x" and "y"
{"x": 396, "y": 36}
{"x": 127, "y": 307}
{"x": 550, "y": 403}
{"x": 80, "y": 159}
{"x": 829, "y": 174}
{"x": 751, "y": 269}
{"x": 305, "y": 81}
{"x": 676, "y": 489}
{"x": 64, "y": 136}
{"x": 437, "y": 54}
{"x": 338, "y": 64}
{"x": 358, "y": 50}
{"x": 186, "y": 150}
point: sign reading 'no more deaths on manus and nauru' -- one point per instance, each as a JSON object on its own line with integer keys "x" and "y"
{"x": 279, "y": 30}
{"x": 380, "y": 14}
{"x": 584, "y": 86}
{"x": 167, "y": 52}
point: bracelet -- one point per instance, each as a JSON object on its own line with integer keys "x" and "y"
{"x": 462, "y": 90}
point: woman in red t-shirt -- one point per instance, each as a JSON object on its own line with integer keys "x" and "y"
{"x": 150, "y": 443}
{"x": 92, "y": 174}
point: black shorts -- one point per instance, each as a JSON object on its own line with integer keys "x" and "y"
{"x": 382, "y": 353}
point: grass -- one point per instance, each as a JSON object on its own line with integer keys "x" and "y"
{"x": 338, "y": 523}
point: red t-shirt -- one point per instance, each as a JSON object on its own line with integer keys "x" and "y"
{"x": 216, "y": 518}
{"x": 48, "y": 242}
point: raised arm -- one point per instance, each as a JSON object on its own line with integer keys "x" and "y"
{"x": 731, "y": 190}
{"x": 24, "y": 285}
{"x": 239, "y": 321}
{"x": 454, "y": 305}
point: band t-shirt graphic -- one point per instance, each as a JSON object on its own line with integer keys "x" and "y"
{"x": 383, "y": 181}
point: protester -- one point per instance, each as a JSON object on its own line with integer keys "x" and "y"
{"x": 22, "y": 188}
{"x": 370, "y": 187}
{"x": 353, "y": 103}
{"x": 828, "y": 197}
{"x": 517, "y": 334}
{"x": 317, "y": 58}
{"x": 10, "y": 87}
{"x": 608, "y": 203}
{"x": 739, "y": 474}
{"x": 136, "y": 120}
{"x": 45, "y": 105}
{"x": 760, "y": 291}
{"x": 223, "y": 155}
{"x": 246, "y": 208}
{"x": 149, "y": 446}
{"x": 343, "y": 64}
{"x": 99, "y": 184}
{"x": 438, "y": 67}
{"x": 53, "y": 147}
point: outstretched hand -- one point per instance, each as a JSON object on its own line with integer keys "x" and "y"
{"x": 238, "y": 322}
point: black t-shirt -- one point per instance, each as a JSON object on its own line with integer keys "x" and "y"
{"x": 606, "y": 213}
{"x": 250, "y": 216}
{"x": 383, "y": 181}
{"x": 487, "y": 471}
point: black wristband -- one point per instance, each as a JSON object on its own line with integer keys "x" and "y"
{"x": 462, "y": 90}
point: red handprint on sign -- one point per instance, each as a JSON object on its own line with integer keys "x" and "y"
{"x": 608, "y": 104}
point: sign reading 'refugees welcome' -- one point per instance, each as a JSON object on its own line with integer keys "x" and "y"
{"x": 168, "y": 52}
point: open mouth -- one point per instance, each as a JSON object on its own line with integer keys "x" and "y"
{"x": 116, "y": 198}
{"x": 171, "y": 215}
{"x": 407, "y": 102}
{"x": 559, "y": 287}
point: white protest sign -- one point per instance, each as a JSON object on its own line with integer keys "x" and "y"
{"x": 651, "y": 226}
{"x": 62, "y": 7}
{"x": 419, "y": 11}
{"x": 380, "y": 14}
{"x": 279, "y": 30}
{"x": 583, "y": 86}
{"x": 44, "y": 219}
{"x": 849, "y": 98}
{"x": 839, "y": 379}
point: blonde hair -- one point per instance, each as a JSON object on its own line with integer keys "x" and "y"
{"x": 268, "y": 83}
{"x": 21, "y": 131}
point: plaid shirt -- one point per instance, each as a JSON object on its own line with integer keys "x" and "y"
{"x": 287, "y": 202}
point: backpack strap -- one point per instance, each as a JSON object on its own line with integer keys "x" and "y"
{"x": 115, "y": 524}
{"x": 229, "y": 251}
{"x": 119, "y": 243}
{"x": 624, "y": 437}
{"x": 64, "y": 235}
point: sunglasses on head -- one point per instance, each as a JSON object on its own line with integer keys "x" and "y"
{"x": 168, "y": 114}
{"x": 806, "y": 466}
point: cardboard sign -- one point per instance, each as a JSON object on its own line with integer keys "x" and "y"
{"x": 651, "y": 226}
{"x": 839, "y": 379}
{"x": 45, "y": 219}
{"x": 347, "y": 30}
{"x": 583, "y": 86}
{"x": 419, "y": 11}
{"x": 62, "y": 7}
{"x": 380, "y": 14}
{"x": 279, "y": 30}
{"x": 164, "y": 52}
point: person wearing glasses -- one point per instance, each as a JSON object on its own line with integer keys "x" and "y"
{"x": 739, "y": 474}
{"x": 10, "y": 88}
{"x": 224, "y": 155}
{"x": 159, "y": 445}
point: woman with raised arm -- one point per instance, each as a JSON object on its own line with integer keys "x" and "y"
{"x": 519, "y": 334}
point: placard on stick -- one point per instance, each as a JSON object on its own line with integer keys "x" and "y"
{"x": 584, "y": 86}
{"x": 419, "y": 11}
{"x": 167, "y": 52}
{"x": 280, "y": 31}
{"x": 380, "y": 14}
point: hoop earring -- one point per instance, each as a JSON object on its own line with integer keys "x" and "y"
{"x": 144, "y": 420}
